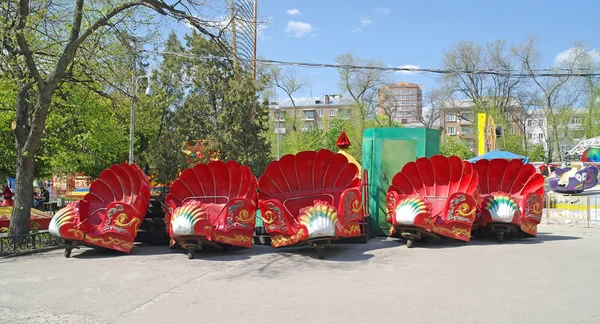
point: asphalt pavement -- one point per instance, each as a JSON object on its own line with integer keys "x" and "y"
{"x": 552, "y": 279}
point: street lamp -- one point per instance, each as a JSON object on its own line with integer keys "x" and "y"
{"x": 131, "y": 121}
{"x": 277, "y": 116}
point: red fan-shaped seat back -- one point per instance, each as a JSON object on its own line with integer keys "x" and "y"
{"x": 436, "y": 178}
{"x": 125, "y": 183}
{"x": 297, "y": 180}
{"x": 216, "y": 182}
{"x": 513, "y": 177}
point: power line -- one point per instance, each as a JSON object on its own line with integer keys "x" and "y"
{"x": 559, "y": 72}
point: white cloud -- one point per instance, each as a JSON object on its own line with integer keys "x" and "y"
{"x": 408, "y": 66}
{"x": 262, "y": 28}
{"x": 264, "y": 37}
{"x": 214, "y": 24}
{"x": 383, "y": 11}
{"x": 594, "y": 54}
{"x": 300, "y": 29}
{"x": 293, "y": 12}
{"x": 364, "y": 22}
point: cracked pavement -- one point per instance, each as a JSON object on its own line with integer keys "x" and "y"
{"x": 551, "y": 279}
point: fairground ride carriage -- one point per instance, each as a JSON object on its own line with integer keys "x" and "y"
{"x": 109, "y": 216}
{"x": 433, "y": 198}
{"x": 511, "y": 198}
{"x": 312, "y": 198}
{"x": 39, "y": 220}
{"x": 573, "y": 179}
{"x": 212, "y": 206}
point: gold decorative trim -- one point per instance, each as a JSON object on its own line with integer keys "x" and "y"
{"x": 280, "y": 239}
{"x": 454, "y": 231}
{"x": 111, "y": 241}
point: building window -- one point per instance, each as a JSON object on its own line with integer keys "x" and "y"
{"x": 467, "y": 116}
{"x": 540, "y": 136}
{"x": 466, "y": 130}
{"x": 451, "y": 118}
{"x": 309, "y": 114}
{"x": 576, "y": 121}
{"x": 331, "y": 114}
{"x": 529, "y": 136}
{"x": 320, "y": 112}
{"x": 344, "y": 113}
{"x": 451, "y": 131}
{"x": 530, "y": 122}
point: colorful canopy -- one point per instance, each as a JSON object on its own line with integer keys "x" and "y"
{"x": 500, "y": 155}
{"x": 37, "y": 216}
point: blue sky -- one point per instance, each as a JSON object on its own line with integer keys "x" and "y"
{"x": 414, "y": 33}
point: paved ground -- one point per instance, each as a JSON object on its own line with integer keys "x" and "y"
{"x": 552, "y": 279}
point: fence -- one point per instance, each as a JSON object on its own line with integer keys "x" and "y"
{"x": 28, "y": 243}
{"x": 575, "y": 210}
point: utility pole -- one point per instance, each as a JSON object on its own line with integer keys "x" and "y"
{"x": 255, "y": 36}
{"x": 254, "y": 56}
{"x": 233, "y": 35}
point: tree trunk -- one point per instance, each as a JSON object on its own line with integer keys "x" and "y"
{"x": 20, "y": 218}
{"x": 28, "y": 135}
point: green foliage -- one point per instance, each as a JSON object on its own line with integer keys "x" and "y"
{"x": 83, "y": 132}
{"x": 7, "y": 137}
{"x": 512, "y": 143}
{"x": 537, "y": 153}
{"x": 452, "y": 146}
{"x": 218, "y": 110}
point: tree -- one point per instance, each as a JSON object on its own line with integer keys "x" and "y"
{"x": 487, "y": 91}
{"x": 290, "y": 82}
{"x": 452, "y": 146}
{"x": 537, "y": 153}
{"x": 361, "y": 84}
{"x": 163, "y": 155}
{"x": 41, "y": 45}
{"x": 83, "y": 132}
{"x": 387, "y": 106}
{"x": 433, "y": 101}
{"x": 553, "y": 96}
{"x": 7, "y": 137}
{"x": 219, "y": 111}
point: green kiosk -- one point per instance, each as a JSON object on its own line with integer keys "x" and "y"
{"x": 384, "y": 153}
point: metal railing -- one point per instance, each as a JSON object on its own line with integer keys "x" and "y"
{"x": 14, "y": 245}
{"x": 574, "y": 210}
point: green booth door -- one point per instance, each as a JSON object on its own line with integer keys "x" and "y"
{"x": 385, "y": 152}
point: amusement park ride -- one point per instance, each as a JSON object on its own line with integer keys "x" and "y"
{"x": 575, "y": 177}
{"x": 403, "y": 189}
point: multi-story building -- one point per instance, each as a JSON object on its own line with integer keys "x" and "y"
{"x": 458, "y": 119}
{"x": 570, "y": 129}
{"x": 536, "y": 129}
{"x": 310, "y": 112}
{"x": 402, "y": 101}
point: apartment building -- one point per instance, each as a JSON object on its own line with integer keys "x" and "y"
{"x": 458, "y": 119}
{"x": 570, "y": 128}
{"x": 402, "y": 101}
{"x": 310, "y": 112}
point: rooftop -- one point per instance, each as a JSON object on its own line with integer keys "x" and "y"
{"x": 334, "y": 100}
{"x": 403, "y": 85}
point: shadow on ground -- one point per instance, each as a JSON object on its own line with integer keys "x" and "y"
{"x": 476, "y": 241}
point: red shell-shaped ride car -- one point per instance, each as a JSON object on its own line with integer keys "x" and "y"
{"x": 511, "y": 197}
{"x": 433, "y": 197}
{"x": 311, "y": 196}
{"x": 212, "y": 205}
{"x": 110, "y": 214}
